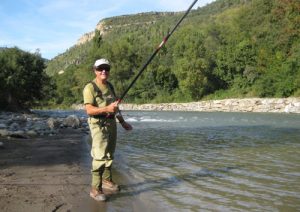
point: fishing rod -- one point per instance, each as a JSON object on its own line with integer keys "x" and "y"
{"x": 165, "y": 39}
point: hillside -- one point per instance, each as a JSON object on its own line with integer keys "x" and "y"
{"x": 109, "y": 29}
{"x": 229, "y": 48}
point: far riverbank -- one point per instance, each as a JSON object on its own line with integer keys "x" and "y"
{"x": 263, "y": 105}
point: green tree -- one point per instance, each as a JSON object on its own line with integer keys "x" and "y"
{"x": 23, "y": 81}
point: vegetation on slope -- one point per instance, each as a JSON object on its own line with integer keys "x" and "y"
{"x": 230, "y": 48}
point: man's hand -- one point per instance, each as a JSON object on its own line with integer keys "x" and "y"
{"x": 112, "y": 108}
{"x": 126, "y": 126}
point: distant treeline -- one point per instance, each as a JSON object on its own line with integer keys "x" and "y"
{"x": 229, "y": 48}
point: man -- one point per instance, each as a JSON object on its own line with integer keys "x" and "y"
{"x": 101, "y": 106}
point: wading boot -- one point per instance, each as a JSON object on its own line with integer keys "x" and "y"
{"x": 110, "y": 185}
{"x": 97, "y": 195}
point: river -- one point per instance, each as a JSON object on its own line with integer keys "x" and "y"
{"x": 196, "y": 161}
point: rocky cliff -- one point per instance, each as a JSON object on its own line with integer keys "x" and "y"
{"x": 108, "y": 24}
{"x": 89, "y": 36}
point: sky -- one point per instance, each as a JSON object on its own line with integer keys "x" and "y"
{"x": 53, "y": 26}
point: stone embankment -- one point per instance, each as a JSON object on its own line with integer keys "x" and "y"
{"x": 267, "y": 105}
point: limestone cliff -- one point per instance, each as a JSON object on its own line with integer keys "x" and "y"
{"x": 89, "y": 36}
{"x": 108, "y": 24}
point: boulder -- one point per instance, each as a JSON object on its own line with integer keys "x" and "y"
{"x": 4, "y": 132}
{"x": 53, "y": 123}
{"x": 19, "y": 134}
{"x": 31, "y": 133}
{"x": 14, "y": 126}
{"x": 71, "y": 121}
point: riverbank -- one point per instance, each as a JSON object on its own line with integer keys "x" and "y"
{"x": 52, "y": 173}
{"x": 268, "y": 105}
{"x": 44, "y": 173}
{"x": 45, "y": 165}
{"x": 259, "y": 105}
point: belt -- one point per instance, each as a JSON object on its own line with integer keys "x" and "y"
{"x": 107, "y": 116}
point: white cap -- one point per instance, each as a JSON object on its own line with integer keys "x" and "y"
{"x": 101, "y": 62}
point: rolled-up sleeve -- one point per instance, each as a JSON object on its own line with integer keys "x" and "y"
{"x": 88, "y": 97}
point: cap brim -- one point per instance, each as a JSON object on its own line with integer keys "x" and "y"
{"x": 104, "y": 66}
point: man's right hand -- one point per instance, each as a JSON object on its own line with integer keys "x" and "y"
{"x": 112, "y": 108}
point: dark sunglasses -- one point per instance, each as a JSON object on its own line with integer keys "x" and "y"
{"x": 102, "y": 69}
{"x": 106, "y": 68}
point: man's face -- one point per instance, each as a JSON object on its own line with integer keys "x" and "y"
{"x": 102, "y": 73}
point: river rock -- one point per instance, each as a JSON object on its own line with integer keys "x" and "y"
{"x": 71, "y": 121}
{"x": 14, "y": 126}
{"x": 31, "y": 133}
{"x": 4, "y": 132}
{"x": 53, "y": 123}
{"x": 18, "y": 134}
{"x": 292, "y": 107}
{"x": 264, "y": 105}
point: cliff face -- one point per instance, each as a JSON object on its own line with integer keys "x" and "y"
{"x": 105, "y": 27}
{"x": 78, "y": 53}
{"x": 89, "y": 36}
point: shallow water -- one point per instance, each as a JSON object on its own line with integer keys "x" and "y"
{"x": 213, "y": 161}
{"x": 195, "y": 161}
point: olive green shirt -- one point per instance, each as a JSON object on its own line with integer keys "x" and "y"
{"x": 90, "y": 96}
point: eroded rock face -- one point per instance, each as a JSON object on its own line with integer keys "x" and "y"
{"x": 103, "y": 28}
{"x": 89, "y": 36}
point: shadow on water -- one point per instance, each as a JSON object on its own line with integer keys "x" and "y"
{"x": 134, "y": 189}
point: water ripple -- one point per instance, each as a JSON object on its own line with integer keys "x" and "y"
{"x": 215, "y": 162}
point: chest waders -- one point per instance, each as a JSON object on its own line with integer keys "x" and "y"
{"x": 99, "y": 95}
{"x": 104, "y": 136}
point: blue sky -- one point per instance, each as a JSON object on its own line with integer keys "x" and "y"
{"x": 53, "y": 26}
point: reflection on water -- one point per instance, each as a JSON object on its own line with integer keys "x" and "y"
{"x": 213, "y": 161}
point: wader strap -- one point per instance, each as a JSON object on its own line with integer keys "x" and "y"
{"x": 98, "y": 91}
{"x": 99, "y": 94}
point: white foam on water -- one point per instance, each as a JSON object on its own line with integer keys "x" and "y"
{"x": 156, "y": 120}
{"x": 132, "y": 119}
{"x": 150, "y": 119}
